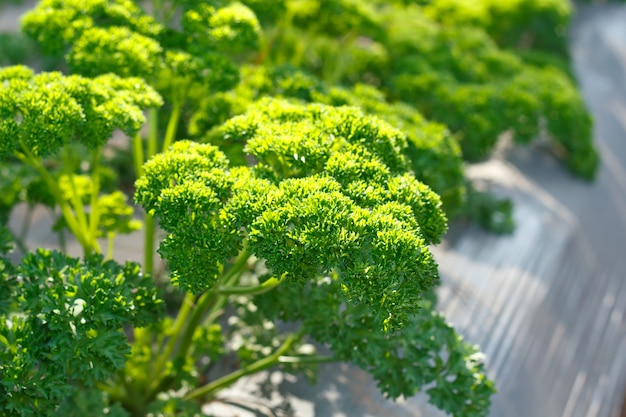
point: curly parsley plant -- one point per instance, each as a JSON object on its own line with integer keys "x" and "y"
{"x": 327, "y": 229}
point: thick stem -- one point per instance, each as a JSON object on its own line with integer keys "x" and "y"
{"x": 149, "y": 223}
{"x": 138, "y": 155}
{"x": 153, "y": 132}
{"x": 191, "y": 314}
{"x": 283, "y": 25}
{"x": 164, "y": 356}
{"x": 110, "y": 245}
{"x": 307, "y": 359}
{"x": 31, "y": 160}
{"x": 77, "y": 204}
{"x": 161, "y": 379}
{"x": 20, "y": 244}
{"x": 172, "y": 125}
{"x": 114, "y": 391}
{"x": 149, "y": 232}
{"x": 268, "y": 285}
{"x": 94, "y": 215}
{"x": 215, "y": 298}
{"x": 255, "y": 367}
{"x": 143, "y": 340}
{"x": 168, "y": 14}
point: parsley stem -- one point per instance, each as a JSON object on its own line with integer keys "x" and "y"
{"x": 138, "y": 155}
{"x": 94, "y": 215}
{"x": 266, "y": 286}
{"x": 198, "y": 310}
{"x": 172, "y": 125}
{"x": 138, "y": 161}
{"x": 110, "y": 245}
{"x": 254, "y": 367}
{"x": 77, "y": 204}
{"x": 164, "y": 355}
{"x": 153, "y": 131}
{"x": 307, "y": 359}
{"x": 149, "y": 223}
{"x": 28, "y": 158}
{"x": 215, "y": 298}
{"x": 149, "y": 232}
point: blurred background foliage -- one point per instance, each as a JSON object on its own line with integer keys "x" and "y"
{"x": 453, "y": 75}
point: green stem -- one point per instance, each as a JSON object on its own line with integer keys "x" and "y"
{"x": 35, "y": 162}
{"x": 184, "y": 338}
{"x": 77, "y": 204}
{"x": 164, "y": 356}
{"x": 284, "y": 25}
{"x": 169, "y": 14}
{"x": 110, "y": 245}
{"x": 172, "y": 124}
{"x": 149, "y": 223}
{"x": 208, "y": 299}
{"x": 214, "y": 297}
{"x": 94, "y": 215}
{"x": 167, "y": 11}
{"x": 150, "y": 229}
{"x": 255, "y": 367}
{"x": 268, "y": 285}
{"x": 79, "y": 207}
{"x": 138, "y": 155}
{"x": 153, "y": 132}
{"x": 28, "y": 217}
{"x": 158, "y": 11}
{"x": 144, "y": 341}
{"x": 307, "y": 359}
{"x": 114, "y": 391}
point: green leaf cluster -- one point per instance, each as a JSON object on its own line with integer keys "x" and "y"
{"x": 63, "y": 327}
{"x": 328, "y": 206}
{"x": 90, "y": 403}
{"x": 449, "y": 67}
{"x": 329, "y": 192}
{"x": 42, "y": 113}
{"x": 233, "y": 28}
{"x": 55, "y": 24}
{"x": 176, "y": 46}
{"x": 336, "y": 17}
{"x": 432, "y": 152}
{"x": 115, "y": 216}
{"x": 523, "y": 24}
{"x": 427, "y": 354}
{"x": 485, "y": 92}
